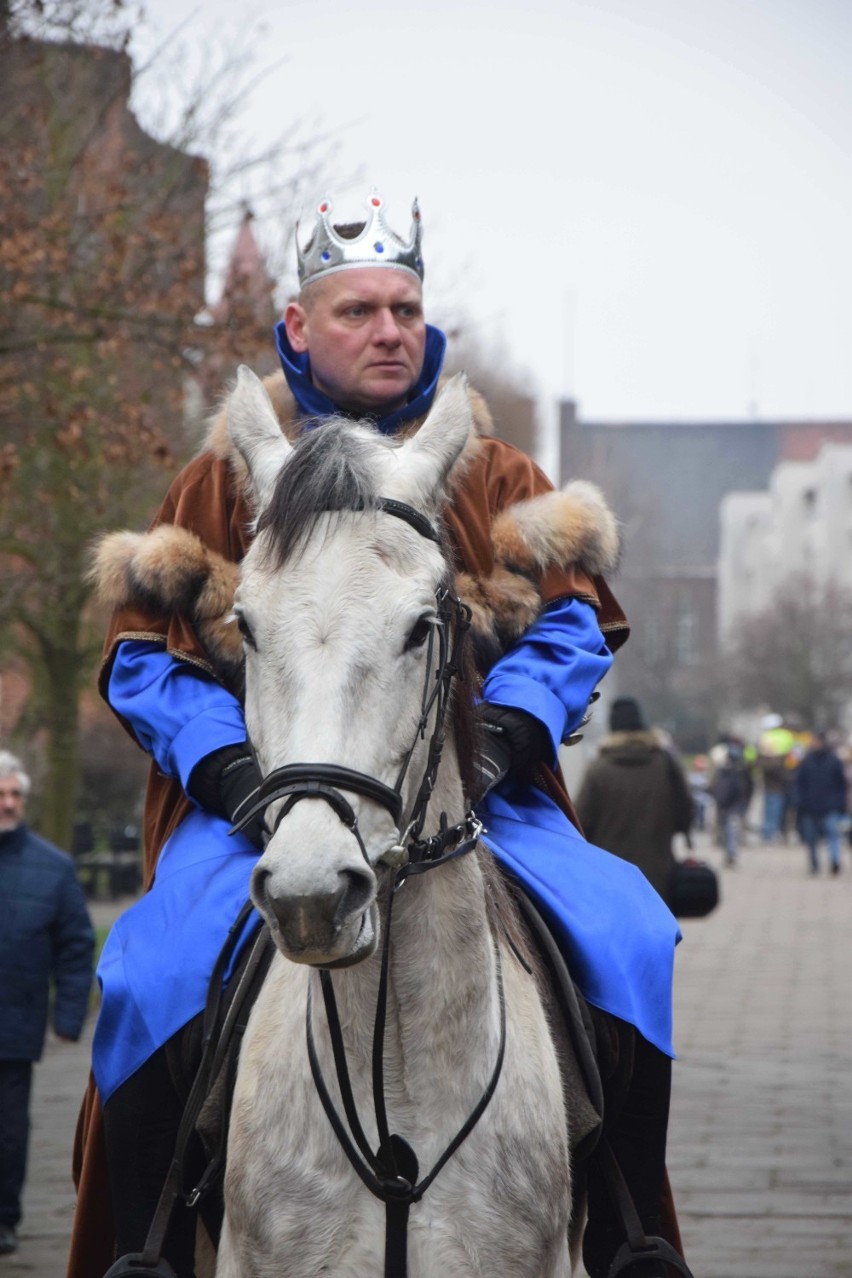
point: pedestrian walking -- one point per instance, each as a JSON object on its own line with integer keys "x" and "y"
{"x": 820, "y": 790}
{"x": 698, "y": 780}
{"x": 46, "y": 940}
{"x": 732, "y": 788}
{"x": 635, "y": 797}
{"x": 773, "y": 748}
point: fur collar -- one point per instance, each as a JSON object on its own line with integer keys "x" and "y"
{"x": 573, "y": 525}
{"x": 638, "y": 740}
{"x": 219, "y": 443}
{"x": 169, "y": 570}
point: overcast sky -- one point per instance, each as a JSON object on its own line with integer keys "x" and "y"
{"x": 647, "y": 201}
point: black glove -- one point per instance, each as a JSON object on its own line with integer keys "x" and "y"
{"x": 509, "y": 740}
{"x": 224, "y": 782}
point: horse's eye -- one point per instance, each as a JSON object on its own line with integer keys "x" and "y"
{"x": 245, "y": 631}
{"x": 419, "y": 633}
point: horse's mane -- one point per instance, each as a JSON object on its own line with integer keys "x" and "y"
{"x": 328, "y": 470}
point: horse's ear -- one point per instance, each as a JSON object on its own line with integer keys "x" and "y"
{"x": 256, "y": 433}
{"x": 430, "y": 454}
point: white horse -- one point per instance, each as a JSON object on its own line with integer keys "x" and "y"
{"x": 344, "y": 610}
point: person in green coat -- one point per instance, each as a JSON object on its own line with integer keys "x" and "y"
{"x": 635, "y": 797}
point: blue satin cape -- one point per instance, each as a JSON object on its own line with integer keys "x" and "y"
{"x": 617, "y": 935}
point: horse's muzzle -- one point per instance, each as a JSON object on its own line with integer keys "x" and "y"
{"x": 320, "y": 928}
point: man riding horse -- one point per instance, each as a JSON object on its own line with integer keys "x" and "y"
{"x": 531, "y": 562}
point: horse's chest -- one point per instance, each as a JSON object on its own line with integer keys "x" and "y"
{"x": 297, "y": 1195}
{"x": 498, "y": 1206}
{"x": 335, "y": 1227}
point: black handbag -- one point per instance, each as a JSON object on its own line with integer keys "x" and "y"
{"x": 694, "y": 889}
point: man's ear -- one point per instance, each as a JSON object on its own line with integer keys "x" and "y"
{"x": 295, "y": 322}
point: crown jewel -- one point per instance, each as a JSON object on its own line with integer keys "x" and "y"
{"x": 376, "y": 245}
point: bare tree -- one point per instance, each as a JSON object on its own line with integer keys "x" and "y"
{"x": 504, "y": 385}
{"x": 795, "y": 655}
{"x": 103, "y": 231}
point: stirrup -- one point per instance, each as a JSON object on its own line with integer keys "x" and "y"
{"x": 657, "y": 1249}
{"x": 133, "y": 1266}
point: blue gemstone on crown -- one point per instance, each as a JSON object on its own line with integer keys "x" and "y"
{"x": 379, "y": 247}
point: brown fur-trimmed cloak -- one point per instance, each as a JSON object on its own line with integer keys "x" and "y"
{"x": 518, "y": 545}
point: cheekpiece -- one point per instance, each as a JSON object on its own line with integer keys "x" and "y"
{"x": 376, "y": 245}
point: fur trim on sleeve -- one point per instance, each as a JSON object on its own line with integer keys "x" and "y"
{"x": 571, "y": 528}
{"x": 574, "y": 526}
{"x": 170, "y": 570}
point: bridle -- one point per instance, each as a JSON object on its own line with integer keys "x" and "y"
{"x": 297, "y": 781}
{"x": 390, "y": 1173}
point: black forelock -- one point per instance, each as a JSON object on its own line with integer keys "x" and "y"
{"x": 328, "y": 470}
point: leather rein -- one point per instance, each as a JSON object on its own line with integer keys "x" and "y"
{"x": 391, "y": 1172}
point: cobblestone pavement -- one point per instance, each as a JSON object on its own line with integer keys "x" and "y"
{"x": 760, "y": 1151}
{"x": 58, "y": 1086}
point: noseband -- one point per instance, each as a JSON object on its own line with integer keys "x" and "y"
{"x": 297, "y": 781}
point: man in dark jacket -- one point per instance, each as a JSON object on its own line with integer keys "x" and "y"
{"x": 732, "y": 788}
{"x": 820, "y": 797}
{"x": 46, "y": 937}
{"x": 635, "y": 797}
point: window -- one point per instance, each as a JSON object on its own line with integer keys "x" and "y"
{"x": 686, "y": 633}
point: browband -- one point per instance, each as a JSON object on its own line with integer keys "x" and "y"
{"x": 414, "y": 518}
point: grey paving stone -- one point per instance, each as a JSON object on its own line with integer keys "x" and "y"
{"x": 761, "y": 1132}
{"x": 760, "y": 1151}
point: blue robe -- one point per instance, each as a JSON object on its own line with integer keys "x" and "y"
{"x": 617, "y": 935}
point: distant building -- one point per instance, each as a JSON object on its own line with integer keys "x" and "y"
{"x": 244, "y": 317}
{"x": 104, "y": 225}
{"x": 247, "y": 279}
{"x": 799, "y": 526}
{"x": 666, "y": 482}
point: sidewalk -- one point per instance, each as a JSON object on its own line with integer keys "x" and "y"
{"x": 760, "y": 1152}
{"x": 59, "y": 1082}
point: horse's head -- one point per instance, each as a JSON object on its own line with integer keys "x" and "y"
{"x": 338, "y": 607}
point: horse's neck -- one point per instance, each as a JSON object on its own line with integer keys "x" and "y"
{"x": 440, "y": 920}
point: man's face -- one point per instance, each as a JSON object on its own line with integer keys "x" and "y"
{"x": 11, "y": 804}
{"x": 365, "y": 334}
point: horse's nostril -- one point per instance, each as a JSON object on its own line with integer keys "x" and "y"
{"x": 356, "y": 893}
{"x": 259, "y": 879}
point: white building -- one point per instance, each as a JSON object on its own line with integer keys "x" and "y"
{"x": 802, "y": 524}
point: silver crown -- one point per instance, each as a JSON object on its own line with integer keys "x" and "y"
{"x": 375, "y": 245}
